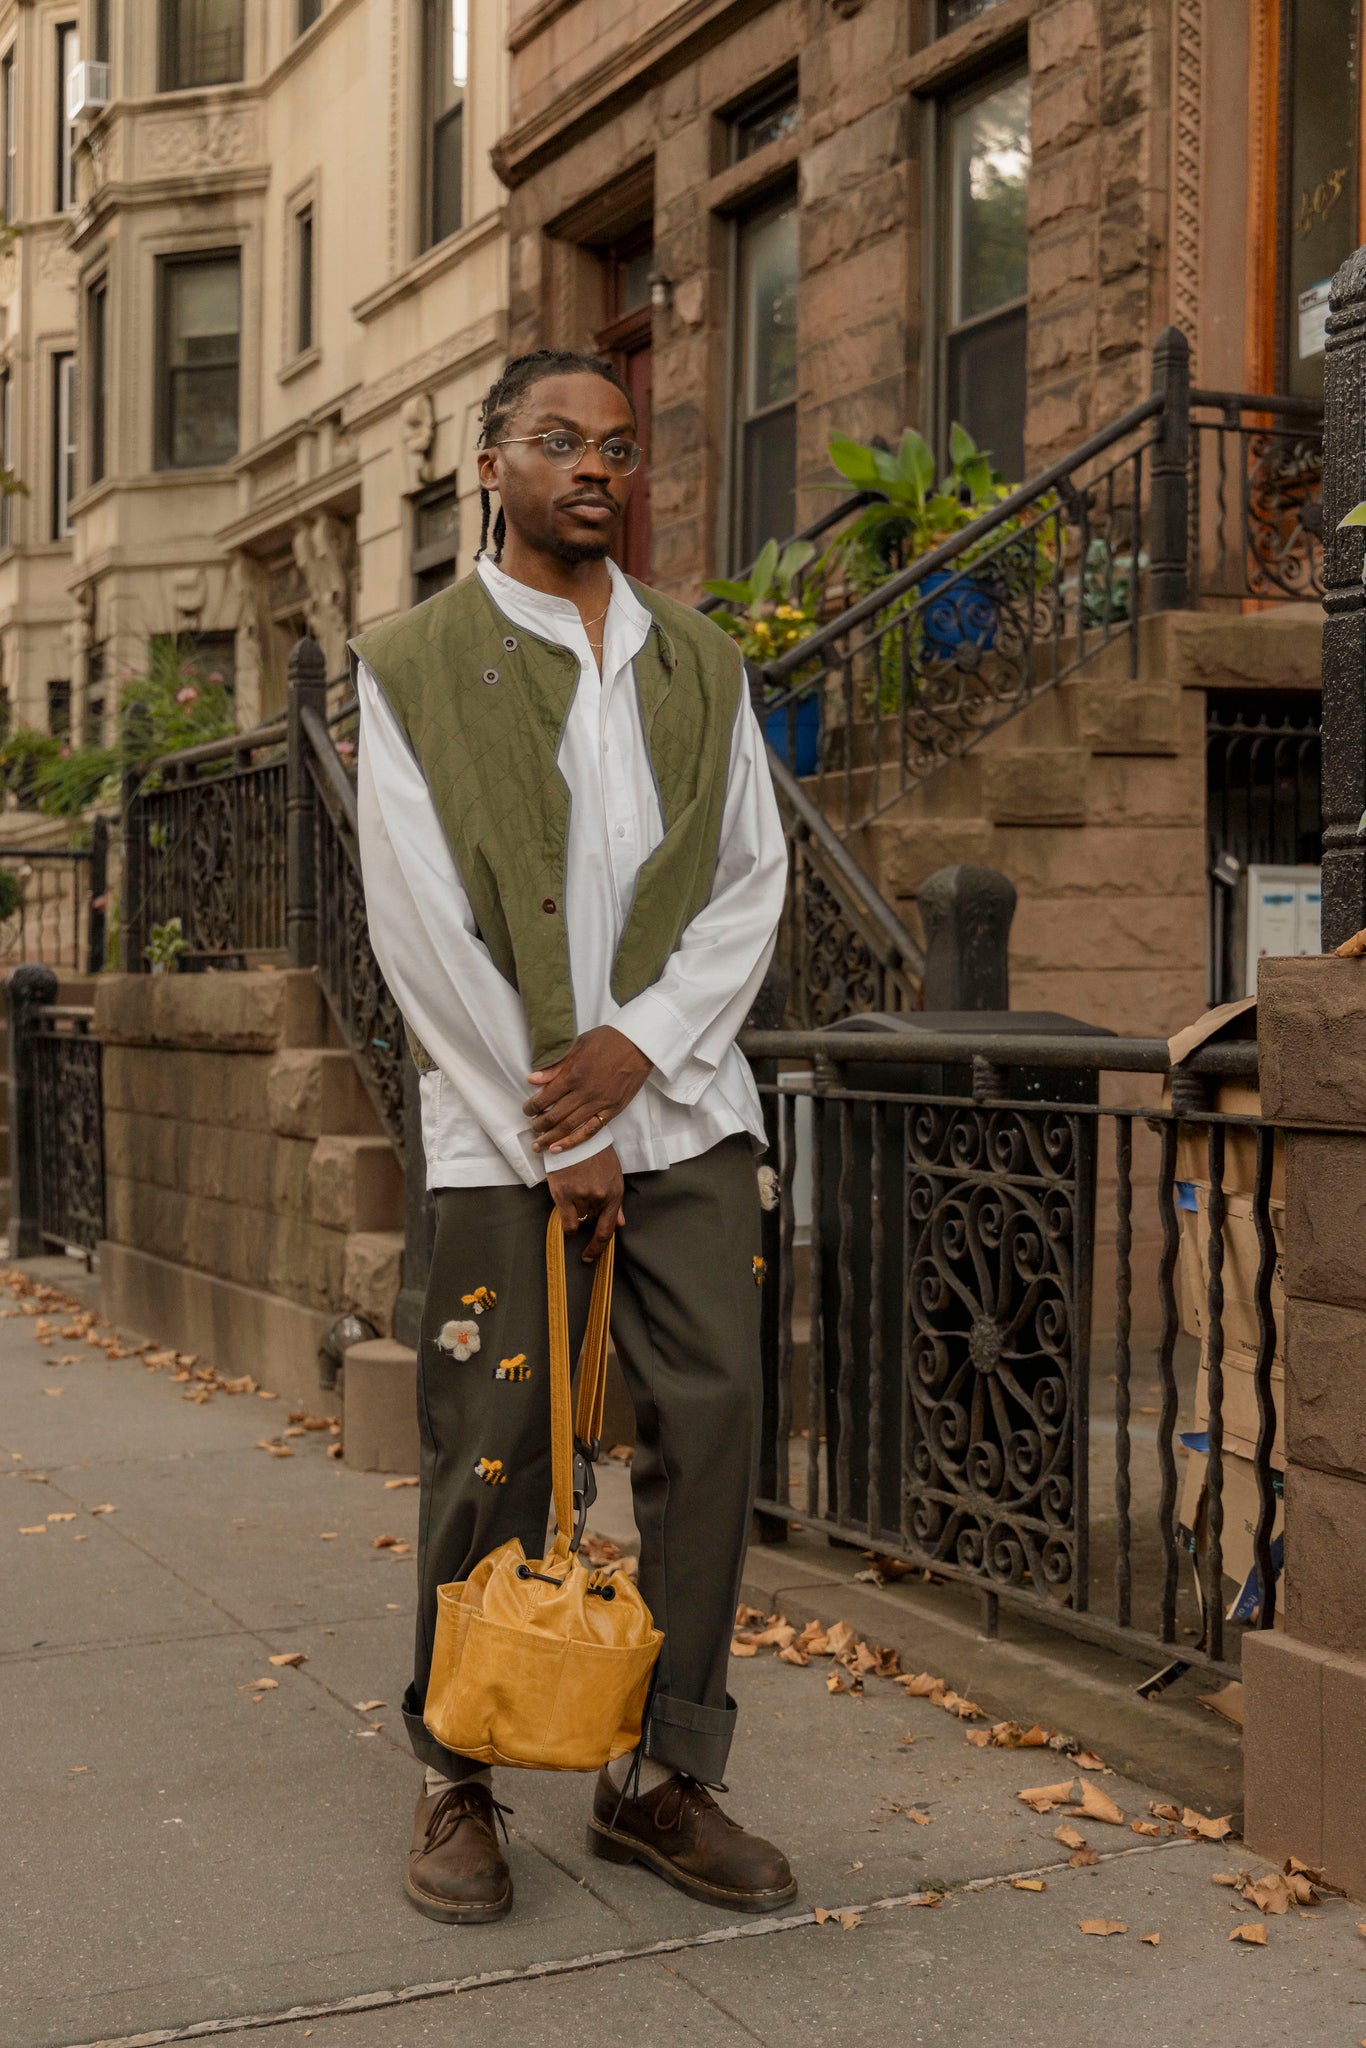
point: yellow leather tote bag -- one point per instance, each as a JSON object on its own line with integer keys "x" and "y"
{"x": 541, "y": 1662}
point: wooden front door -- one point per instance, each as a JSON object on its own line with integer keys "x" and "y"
{"x": 626, "y": 341}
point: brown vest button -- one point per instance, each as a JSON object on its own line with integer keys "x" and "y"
{"x": 549, "y": 905}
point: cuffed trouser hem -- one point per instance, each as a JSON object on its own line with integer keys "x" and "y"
{"x": 690, "y": 1738}
{"x": 429, "y": 1751}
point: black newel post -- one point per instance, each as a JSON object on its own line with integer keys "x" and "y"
{"x": 133, "y": 908}
{"x": 1168, "y": 535}
{"x": 307, "y": 692}
{"x": 419, "y": 1216}
{"x": 966, "y": 912}
{"x": 30, "y": 988}
{"x": 97, "y": 914}
{"x": 1344, "y": 606}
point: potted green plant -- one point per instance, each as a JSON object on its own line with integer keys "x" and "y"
{"x": 778, "y": 612}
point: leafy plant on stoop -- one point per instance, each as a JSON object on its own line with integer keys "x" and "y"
{"x": 779, "y": 612}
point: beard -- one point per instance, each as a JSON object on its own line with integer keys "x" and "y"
{"x": 580, "y": 550}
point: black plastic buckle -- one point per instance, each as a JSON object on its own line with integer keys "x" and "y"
{"x": 585, "y": 1487}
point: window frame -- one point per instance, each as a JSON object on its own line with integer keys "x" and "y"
{"x": 778, "y": 91}
{"x": 164, "y": 409}
{"x": 435, "y": 554}
{"x": 1012, "y": 64}
{"x": 64, "y": 441}
{"x": 307, "y": 15}
{"x": 68, "y": 40}
{"x": 428, "y": 61}
{"x": 103, "y": 35}
{"x": 8, "y": 537}
{"x": 97, "y": 357}
{"x": 304, "y": 310}
{"x": 769, "y": 200}
{"x": 9, "y": 110}
{"x": 169, "y": 57}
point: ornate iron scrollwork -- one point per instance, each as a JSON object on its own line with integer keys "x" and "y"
{"x": 998, "y": 1245}
{"x": 1284, "y": 513}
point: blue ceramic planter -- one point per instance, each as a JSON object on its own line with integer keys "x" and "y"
{"x": 962, "y": 616}
{"x": 796, "y": 728}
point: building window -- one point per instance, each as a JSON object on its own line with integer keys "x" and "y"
{"x": 201, "y": 43}
{"x": 10, "y": 97}
{"x": 208, "y": 658}
{"x": 954, "y": 13}
{"x": 303, "y": 272}
{"x": 445, "y": 68}
{"x": 436, "y": 539}
{"x": 68, "y": 57}
{"x": 200, "y": 334}
{"x": 93, "y": 731}
{"x": 767, "y": 119}
{"x": 7, "y": 457}
{"x": 63, "y": 443}
{"x": 309, "y": 12}
{"x": 101, "y": 28}
{"x": 59, "y": 709}
{"x": 986, "y": 180}
{"x": 766, "y": 376}
{"x": 97, "y": 360}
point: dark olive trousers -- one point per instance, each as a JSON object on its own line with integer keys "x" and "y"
{"x": 685, "y": 1324}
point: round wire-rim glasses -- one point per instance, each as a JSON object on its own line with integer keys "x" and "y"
{"x": 562, "y": 449}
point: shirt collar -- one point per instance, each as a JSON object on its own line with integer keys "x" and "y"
{"x": 627, "y": 616}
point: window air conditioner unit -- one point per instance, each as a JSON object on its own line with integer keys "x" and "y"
{"x": 87, "y": 87}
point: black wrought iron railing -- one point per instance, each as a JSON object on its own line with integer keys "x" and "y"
{"x": 1023, "y": 1341}
{"x": 60, "y": 918}
{"x": 56, "y": 1115}
{"x": 1188, "y": 497}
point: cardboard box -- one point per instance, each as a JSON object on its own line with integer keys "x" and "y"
{"x": 1242, "y": 1259}
{"x": 1229, "y": 1022}
{"x": 1242, "y": 1421}
{"x": 1242, "y": 1507}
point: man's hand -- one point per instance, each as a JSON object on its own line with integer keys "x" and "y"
{"x": 590, "y": 1193}
{"x": 594, "y": 1081}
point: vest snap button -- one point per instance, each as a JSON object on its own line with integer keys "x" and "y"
{"x": 549, "y": 905}
{"x": 509, "y": 645}
{"x": 490, "y": 675}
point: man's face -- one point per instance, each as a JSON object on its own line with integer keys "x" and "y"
{"x": 576, "y": 512}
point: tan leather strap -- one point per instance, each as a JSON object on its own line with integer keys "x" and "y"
{"x": 587, "y": 1421}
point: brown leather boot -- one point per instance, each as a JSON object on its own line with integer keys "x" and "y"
{"x": 456, "y": 1871}
{"x": 680, "y": 1833}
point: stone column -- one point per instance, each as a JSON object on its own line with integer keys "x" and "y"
{"x": 1305, "y": 1679}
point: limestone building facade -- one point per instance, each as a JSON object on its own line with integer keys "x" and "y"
{"x": 258, "y": 290}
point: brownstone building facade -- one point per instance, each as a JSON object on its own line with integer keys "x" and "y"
{"x": 804, "y": 217}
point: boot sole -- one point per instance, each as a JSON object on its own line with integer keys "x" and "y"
{"x": 613, "y": 1847}
{"x": 451, "y": 1914}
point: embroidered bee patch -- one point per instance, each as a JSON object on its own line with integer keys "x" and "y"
{"x": 760, "y": 1268}
{"x": 513, "y": 1368}
{"x": 482, "y": 1298}
{"x": 490, "y": 1470}
{"x": 460, "y": 1339}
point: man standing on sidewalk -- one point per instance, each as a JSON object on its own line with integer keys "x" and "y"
{"x": 574, "y": 870}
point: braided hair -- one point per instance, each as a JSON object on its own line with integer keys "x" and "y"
{"x": 500, "y": 402}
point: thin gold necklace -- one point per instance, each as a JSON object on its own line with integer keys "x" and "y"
{"x": 600, "y": 617}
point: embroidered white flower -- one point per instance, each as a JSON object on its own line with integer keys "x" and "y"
{"x": 460, "y": 1339}
{"x": 768, "y": 1188}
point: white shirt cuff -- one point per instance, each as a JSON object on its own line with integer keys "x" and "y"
{"x": 573, "y": 1155}
{"x": 667, "y": 1043}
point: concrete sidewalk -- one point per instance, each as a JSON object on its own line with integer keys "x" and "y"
{"x": 182, "y": 1858}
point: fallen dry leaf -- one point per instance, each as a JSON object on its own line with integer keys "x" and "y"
{"x": 1028, "y": 1884}
{"x": 370, "y": 1706}
{"x": 923, "y": 1686}
{"x": 834, "y": 1683}
{"x": 37, "y": 1529}
{"x": 1087, "y": 1760}
{"x": 778, "y": 1637}
{"x": 393, "y": 1485}
{"x": 54, "y": 1390}
{"x": 106, "y": 1507}
{"x": 1103, "y": 1926}
{"x": 849, "y": 1921}
{"x": 290, "y": 1657}
{"x": 336, "y": 1451}
{"x": 739, "y": 1649}
{"x": 746, "y": 1617}
{"x": 1208, "y": 1830}
{"x": 261, "y": 1685}
{"x": 1252, "y": 1932}
{"x": 1151, "y": 1939}
{"x": 1145, "y": 1827}
{"x": 922, "y": 1820}
{"x": 980, "y": 1738}
{"x": 1069, "y": 1837}
{"x": 790, "y": 1654}
{"x": 1098, "y": 1805}
{"x": 1083, "y": 1858}
{"x": 383, "y": 1542}
{"x": 1361, "y": 1928}
{"x": 1160, "y": 1810}
{"x": 1043, "y": 1798}
{"x": 61, "y": 1518}
{"x": 1269, "y": 1894}
{"x": 1226, "y": 1877}
{"x": 327, "y": 1535}
{"x": 276, "y": 1450}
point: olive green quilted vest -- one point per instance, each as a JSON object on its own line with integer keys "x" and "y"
{"x": 484, "y": 704}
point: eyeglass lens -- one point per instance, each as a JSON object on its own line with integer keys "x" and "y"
{"x": 564, "y": 449}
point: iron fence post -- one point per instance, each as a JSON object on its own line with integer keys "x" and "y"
{"x": 419, "y": 1215}
{"x": 1344, "y": 606}
{"x": 966, "y": 912}
{"x": 1168, "y": 515}
{"x": 30, "y": 987}
{"x": 98, "y": 908}
{"x": 133, "y": 907}
{"x": 307, "y": 692}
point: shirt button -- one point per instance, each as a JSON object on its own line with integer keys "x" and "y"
{"x": 621, "y": 831}
{"x": 549, "y": 905}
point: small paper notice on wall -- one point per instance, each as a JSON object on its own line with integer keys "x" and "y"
{"x": 1314, "y": 318}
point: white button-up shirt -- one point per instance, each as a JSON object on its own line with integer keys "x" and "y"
{"x": 472, "y": 1021}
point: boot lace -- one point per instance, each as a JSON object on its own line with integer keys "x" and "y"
{"x": 462, "y": 1803}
